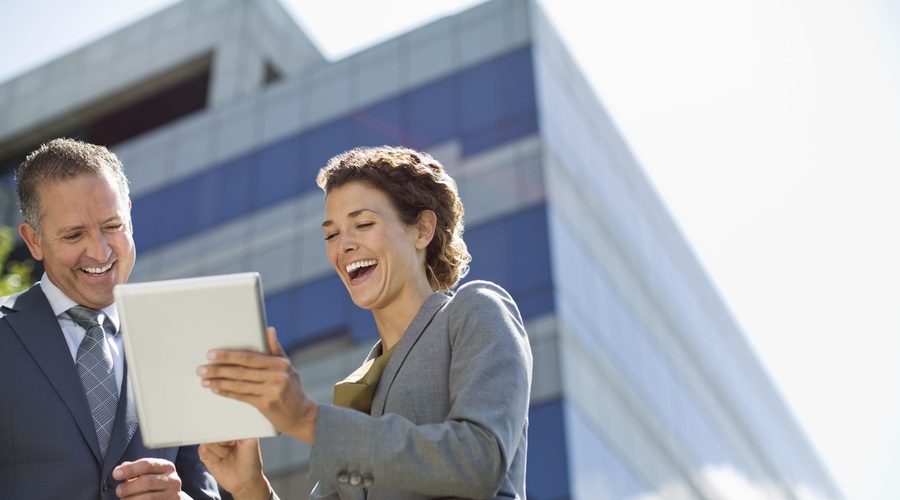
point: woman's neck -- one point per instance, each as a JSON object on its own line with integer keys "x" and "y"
{"x": 392, "y": 321}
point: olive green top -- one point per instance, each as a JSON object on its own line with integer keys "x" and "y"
{"x": 357, "y": 390}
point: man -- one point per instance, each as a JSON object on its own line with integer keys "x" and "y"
{"x": 68, "y": 424}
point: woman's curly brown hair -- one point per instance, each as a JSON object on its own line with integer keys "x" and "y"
{"x": 414, "y": 182}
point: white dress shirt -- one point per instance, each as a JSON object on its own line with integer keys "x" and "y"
{"x": 74, "y": 333}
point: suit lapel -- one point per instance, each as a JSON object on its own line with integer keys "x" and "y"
{"x": 33, "y": 321}
{"x": 432, "y": 305}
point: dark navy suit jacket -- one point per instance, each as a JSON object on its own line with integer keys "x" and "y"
{"x": 48, "y": 446}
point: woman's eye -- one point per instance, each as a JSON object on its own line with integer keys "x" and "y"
{"x": 363, "y": 225}
{"x": 329, "y": 237}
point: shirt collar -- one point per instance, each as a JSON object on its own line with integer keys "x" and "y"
{"x": 61, "y": 303}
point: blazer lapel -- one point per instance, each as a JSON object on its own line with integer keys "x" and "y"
{"x": 432, "y": 305}
{"x": 32, "y": 319}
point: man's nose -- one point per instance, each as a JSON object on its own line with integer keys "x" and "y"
{"x": 98, "y": 247}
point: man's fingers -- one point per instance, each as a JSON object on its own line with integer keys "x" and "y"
{"x": 146, "y": 475}
{"x": 148, "y": 483}
{"x": 129, "y": 470}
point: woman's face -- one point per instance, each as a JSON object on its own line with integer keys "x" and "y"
{"x": 379, "y": 258}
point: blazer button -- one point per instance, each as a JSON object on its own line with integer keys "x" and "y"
{"x": 343, "y": 477}
{"x": 367, "y": 480}
{"x": 355, "y": 478}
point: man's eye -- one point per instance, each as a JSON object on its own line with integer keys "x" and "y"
{"x": 115, "y": 227}
{"x": 71, "y": 237}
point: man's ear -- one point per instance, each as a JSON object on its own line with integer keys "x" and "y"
{"x": 425, "y": 227}
{"x": 28, "y": 233}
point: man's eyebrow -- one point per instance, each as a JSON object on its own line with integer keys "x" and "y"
{"x": 69, "y": 229}
{"x": 78, "y": 227}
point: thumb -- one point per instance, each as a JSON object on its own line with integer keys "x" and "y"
{"x": 274, "y": 347}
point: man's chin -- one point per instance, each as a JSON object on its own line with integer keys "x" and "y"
{"x": 96, "y": 300}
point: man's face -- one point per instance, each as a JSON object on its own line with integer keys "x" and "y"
{"x": 86, "y": 241}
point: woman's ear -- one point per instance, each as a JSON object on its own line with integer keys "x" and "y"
{"x": 425, "y": 227}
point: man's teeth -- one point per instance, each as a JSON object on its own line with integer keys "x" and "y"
{"x": 363, "y": 263}
{"x": 97, "y": 270}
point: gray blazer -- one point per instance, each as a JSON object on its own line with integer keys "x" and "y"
{"x": 48, "y": 446}
{"x": 450, "y": 414}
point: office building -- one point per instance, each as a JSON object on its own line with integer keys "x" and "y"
{"x": 223, "y": 112}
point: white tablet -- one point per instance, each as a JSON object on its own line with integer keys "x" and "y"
{"x": 167, "y": 329}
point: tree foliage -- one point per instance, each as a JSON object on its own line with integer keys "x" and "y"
{"x": 15, "y": 276}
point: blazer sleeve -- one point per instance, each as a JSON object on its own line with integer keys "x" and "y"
{"x": 468, "y": 454}
{"x": 196, "y": 481}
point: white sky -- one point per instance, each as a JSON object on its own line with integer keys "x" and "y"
{"x": 771, "y": 128}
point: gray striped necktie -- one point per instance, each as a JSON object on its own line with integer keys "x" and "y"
{"x": 95, "y": 367}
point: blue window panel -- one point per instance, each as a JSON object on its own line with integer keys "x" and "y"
{"x": 208, "y": 190}
{"x": 8, "y": 180}
{"x": 597, "y": 470}
{"x": 516, "y": 74}
{"x": 277, "y": 172}
{"x": 548, "y": 463}
{"x": 487, "y": 138}
{"x": 325, "y": 142}
{"x": 155, "y": 214}
{"x": 514, "y": 251}
{"x": 530, "y": 261}
{"x": 431, "y": 113}
{"x": 170, "y": 209}
{"x": 534, "y": 303}
{"x": 146, "y": 221}
{"x": 321, "y": 307}
{"x": 479, "y": 98}
{"x": 362, "y": 323}
{"x": 307, "y": 166}
{"x": 490, "y": 247}
{"x": 379, "y": 125}
{"x": 237, "y": 184}
{"x": 279, "y": 313}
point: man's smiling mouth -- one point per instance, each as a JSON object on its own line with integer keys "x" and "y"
{"x": 97, "y": 271}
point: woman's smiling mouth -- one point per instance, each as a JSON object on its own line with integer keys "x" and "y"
{"x": 360, "y": 268}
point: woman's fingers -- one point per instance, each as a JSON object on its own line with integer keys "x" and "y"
{"x": 249, "y": 359}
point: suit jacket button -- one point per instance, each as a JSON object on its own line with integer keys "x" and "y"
{"x": 355, "y": 478}
{"x": 367, "y": 480}
{"x": 343, "y": 477}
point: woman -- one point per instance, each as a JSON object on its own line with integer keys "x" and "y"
{"x": 440, "y": 407}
